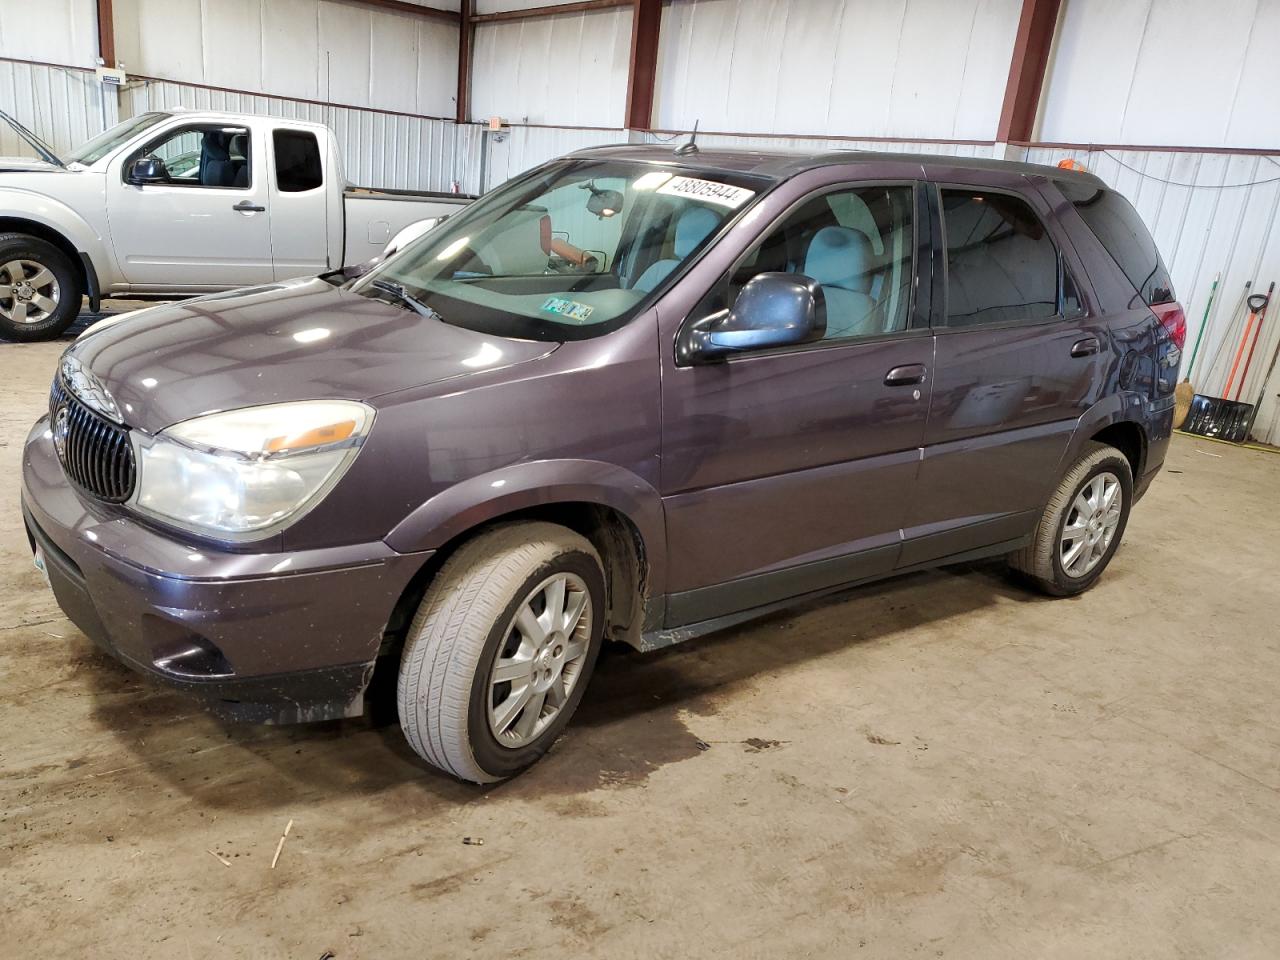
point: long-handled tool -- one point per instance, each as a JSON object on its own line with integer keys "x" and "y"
{"x": 1257, "y": 335}
{"x": 1262, "y": 391}
{"x": 1217, "y": 416}
{"x": 1257, "y": 311}
{"x": 1228, "y": 335}
{"x": 1184, "y": 391}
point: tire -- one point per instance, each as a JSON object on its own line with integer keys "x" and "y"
{"x": 65, "y": 290}
{"x": 467, "y": 620}
{"x": 1042, "y": 561}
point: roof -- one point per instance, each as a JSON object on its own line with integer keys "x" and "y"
{"x": 783, "y": 164}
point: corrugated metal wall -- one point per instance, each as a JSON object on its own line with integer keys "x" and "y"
{"x": 62, "y": 105}
{"x": 915, "y": 69}
{"x": 1165, "y": 72}
{"x": 379, "y": 149}
{"x": 345, "y": 53}
{"x": 568, "y": 69}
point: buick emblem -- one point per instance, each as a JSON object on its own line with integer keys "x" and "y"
{"x": 61, "y": 426}
{"x": 88, "y": 388}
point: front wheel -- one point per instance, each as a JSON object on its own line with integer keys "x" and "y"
{"x": 1082, "y": 524}
{"x": 500, "y": 651}
{"x": 40, "y": 289}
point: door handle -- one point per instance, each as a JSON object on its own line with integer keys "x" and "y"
{"x": 1085, "y": 348}
{"x": 248, "y": 206}
{"x": 905, "y": 376}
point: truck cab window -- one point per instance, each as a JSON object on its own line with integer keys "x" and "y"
{"x": 203, "y": 156}
{"x": 298, "y": 166}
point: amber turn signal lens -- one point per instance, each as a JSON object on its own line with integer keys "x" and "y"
{"x": 315, "y": 437}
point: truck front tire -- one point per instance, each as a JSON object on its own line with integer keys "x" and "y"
{"x": 501, "y": 649}
{"x": 40, "y": 289}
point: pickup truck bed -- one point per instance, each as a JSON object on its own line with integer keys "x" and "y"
{"x": 375, "y": 216}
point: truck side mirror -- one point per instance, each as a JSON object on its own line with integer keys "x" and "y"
{"x": 772, "y": 310}
{"x": 148, "y": 170}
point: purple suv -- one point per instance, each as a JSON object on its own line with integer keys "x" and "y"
{"x": 629, "y": 395}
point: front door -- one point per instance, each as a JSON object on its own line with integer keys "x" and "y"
{"x": 788, "y": 472}
{"x": 1018, "y": 360}
{"x": 207, "y": 225}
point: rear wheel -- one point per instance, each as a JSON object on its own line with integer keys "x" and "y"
{"x": 1082, "y": 524}
{"x": 501, "y": 649}
{"x": 40, "y": 288}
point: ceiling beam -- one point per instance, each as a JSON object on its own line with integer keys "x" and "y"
{"x": 642, "y": 74}
{"x": 106, "y": 34}
{"x": 548, "y": 10}
{"x": 427, "y": 13}
{"x": 1036, "y": 26}
{"x": 466, "y": 43}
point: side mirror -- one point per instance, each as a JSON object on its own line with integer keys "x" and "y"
{"x": 772, "y": 310}
{"x": 410, "y": 233}
{"x": 148, "y": 170}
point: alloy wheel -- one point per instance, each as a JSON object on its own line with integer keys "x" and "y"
{"x": 540, "y": 659}
{"x": 28, "y": 291}
{"x": 1090, "y": 525}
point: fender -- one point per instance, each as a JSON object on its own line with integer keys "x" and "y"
{"x": 1122, "y": 407}
{"x": 486, "y": 497}
{"x": 57, "y": 217}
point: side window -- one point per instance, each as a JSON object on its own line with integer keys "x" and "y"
{"x": 203, "y": 156}
{"x": 1120, "y": 229}
{"x": 297, "y": 154}
{"x": 1001, "y": 262}
{"x": 858, "y": 243}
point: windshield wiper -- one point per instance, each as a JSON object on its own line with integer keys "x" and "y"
{"x": 404, "y": 296}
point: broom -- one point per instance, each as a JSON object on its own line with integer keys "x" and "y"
{"x": 1184, "y": 391}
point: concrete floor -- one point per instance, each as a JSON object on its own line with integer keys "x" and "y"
{"x": 943, "y": 766}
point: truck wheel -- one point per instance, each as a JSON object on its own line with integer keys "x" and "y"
{"x": 1082, "y": 524}
{"x": 40, "y": 288}
{"x": 501, "y": 649}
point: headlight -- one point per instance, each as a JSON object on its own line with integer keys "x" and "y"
{"x": 246, "y": 473}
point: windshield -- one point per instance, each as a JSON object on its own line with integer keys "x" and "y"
{"x": 97, "y": 148}
{"x": 569, "y": 252}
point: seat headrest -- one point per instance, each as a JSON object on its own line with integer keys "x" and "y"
{"x": 215, "y": 146}
{"x": 694, "y": 226}
{"x": 238, "y": 146}
{"x": 840, "y": 257}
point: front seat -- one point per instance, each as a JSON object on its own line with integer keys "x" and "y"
{"x": 239, "y": 151}
{"x": 217, "y": 167}
{"x": 693, "y": 226}
{"x": 839, "y": 258}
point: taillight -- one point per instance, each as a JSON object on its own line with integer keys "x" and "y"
{"x": 1173, "y": 320}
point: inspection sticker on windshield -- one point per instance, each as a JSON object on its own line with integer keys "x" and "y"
{"x": 708, "y": 191}
{"x": 568, "y": 308}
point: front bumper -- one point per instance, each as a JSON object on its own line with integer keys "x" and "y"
{"x": 265, "y": 637}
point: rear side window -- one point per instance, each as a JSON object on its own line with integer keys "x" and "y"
{"x": 1119, "y": 228}
{"x": 297, "y": 160}
{"x": 1002, "y": 265}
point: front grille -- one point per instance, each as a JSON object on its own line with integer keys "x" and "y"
{"x": 95, "y": 453}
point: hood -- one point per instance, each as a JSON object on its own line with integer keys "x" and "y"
{"x": 301, "y": 340}
{"x": 27, "y": 165}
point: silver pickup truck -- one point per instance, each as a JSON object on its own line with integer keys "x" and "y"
{"x": 180, "y": 203}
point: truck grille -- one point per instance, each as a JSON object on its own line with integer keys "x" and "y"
{"x": 94, "y": 452}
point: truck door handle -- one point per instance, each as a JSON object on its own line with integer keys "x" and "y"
{"x": 1085, "y": 348}
{"x": 248, "y": 206}
{"x": 905, "y": 376}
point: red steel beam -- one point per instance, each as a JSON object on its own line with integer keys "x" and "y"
{"x": 548, "y": 10}
{"x": 106, "y": 34}
{"x": 429, "y": 13}
{"x": 466, "y": 42}
{"x": 646, "y": 22}
{"x": 1026, "y": 73}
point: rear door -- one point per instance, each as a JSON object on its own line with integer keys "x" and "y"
{"x": 299, "y": 202}
{"x": 207, "y": 225}
{"x": 1019, "y": 359}
{"x": 790, "y": 471}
